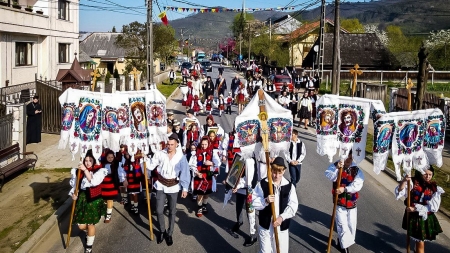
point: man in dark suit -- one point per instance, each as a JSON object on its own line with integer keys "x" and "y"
{"x": 221, "y": 85}
{"x": 234, "y": 85}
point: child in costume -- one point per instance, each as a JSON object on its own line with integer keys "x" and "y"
{"x": 229, "y": 102}
{"x": 111, "y": 182}
{"x": 286, "y": 203}
{"x": 221, "y": 105}
{"x": 209, "y": 102}
{"x": 196, "y": 105}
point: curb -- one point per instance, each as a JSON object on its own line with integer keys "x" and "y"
{"x": 392, "y": 175}
{"x": 40, "y": 233}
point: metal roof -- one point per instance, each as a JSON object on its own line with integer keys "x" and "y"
{"x": 102, "y": 44}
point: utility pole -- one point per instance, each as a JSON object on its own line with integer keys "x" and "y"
{"x": 336, "y": 74}
{"x": 249, "y": 42}
{"x": 270, "y": 37}
{"x": 149, "y": 45}
{"x": 321, "y": 40}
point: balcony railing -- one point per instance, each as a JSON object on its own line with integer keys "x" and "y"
{"x": 13, "y": 5}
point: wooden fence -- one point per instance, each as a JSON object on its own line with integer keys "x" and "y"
{"x": 429, "y": 100}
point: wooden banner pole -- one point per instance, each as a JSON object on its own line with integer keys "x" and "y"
{"x": 409, "y": 85}
{"x": 333, "y": 215}
{"x": 262, "y": 108}
{"x": 73, "y": 208}
{"x": 147, "y": 193}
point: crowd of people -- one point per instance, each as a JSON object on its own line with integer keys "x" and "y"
{"x": 196, "y": 154}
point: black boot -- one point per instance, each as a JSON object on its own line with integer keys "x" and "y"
{"x": 161, "y": 237}
{"x": 250, "y": 241}
{"x": 236, "y": 227}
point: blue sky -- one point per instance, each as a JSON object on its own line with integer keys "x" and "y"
{"x": 102, "y": 15}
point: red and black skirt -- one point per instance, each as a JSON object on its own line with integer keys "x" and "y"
{"x": 109, "y": 189}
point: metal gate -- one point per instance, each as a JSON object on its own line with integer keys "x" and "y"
{"x": 6, "y": 123}
{"x": 49, "y": 93}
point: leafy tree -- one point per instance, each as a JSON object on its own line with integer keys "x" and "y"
{"x": 134, "y": 40}
{"x": 437, "y": 43}
{"x": 352, "y": 25}
{"x": 239, "y": 24}
{"x": 113, "y": 29}
{"x": 402, "y": 47}
{"x": 382, "y": 35}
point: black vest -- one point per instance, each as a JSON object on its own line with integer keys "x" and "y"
{"x": 265, "y": 215}
{"x": 299, "y": 149}
{"x": 270, "y": 87}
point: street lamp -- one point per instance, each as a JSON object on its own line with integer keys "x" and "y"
{"x": 316, "y": 49}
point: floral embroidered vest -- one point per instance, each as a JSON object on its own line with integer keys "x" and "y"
{"x": 346, "y": 199}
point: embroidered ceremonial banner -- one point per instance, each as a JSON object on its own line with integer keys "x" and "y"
{"x": 111, "y": 126}
{"x": 156, "y": 116}
{"x": 277, "y": 123}
{"x": 417, "y": 140}
{"x": 341, "y": 122}
{"x": 88, "y": 122}
{"x": 138, "y": 125}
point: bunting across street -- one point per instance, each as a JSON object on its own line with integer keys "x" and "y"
{"x": 217, "y": 10}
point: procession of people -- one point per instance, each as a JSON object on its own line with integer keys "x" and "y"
{"x": 196, "y": 155}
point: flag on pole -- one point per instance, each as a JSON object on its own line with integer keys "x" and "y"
{"x": 163, "y": 18}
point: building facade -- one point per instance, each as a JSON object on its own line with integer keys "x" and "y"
{"x": 37, "y": 37}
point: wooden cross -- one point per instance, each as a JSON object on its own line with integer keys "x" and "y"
{"x": 84, "y": 148}
{"x": 74, "y": 145}
{"x": 94, "y": 75}
{"x": 132, "y": 147}
{"x": 135, "y": 73}
{"x": 355, "y": 72}
{"x": 358, "y": 151}
{"x": 409, "y": 85}
{"x": 143, "y": 146}
{"x": 97, "y": 148}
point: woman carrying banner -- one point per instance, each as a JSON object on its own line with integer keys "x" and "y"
{"x": 190, "y": 136}
{"x": 285, "y": 202}
{"x": 425, "y": 201}
{"x": 204, "y": 174}
{"x": 89, "y": 206}
{"x": 209, "y": 123}
{"x": 305, "y": 106}
{"x": 110, "y": 184}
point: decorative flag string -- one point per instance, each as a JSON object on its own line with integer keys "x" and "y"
{"x": 217, "y": 10}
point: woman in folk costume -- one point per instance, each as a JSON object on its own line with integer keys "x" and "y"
{"x": 209, "y": 102}
{"x": 305, "y": 106}
{"x": 189, "y": 96}
{"x": 270, "y": 89}
{"x": 241, "y": 96}
{"x": 425, "y": 201}
{"x": 313, "y": 97}
{"x": 192, "y": 160}
{"x": 293, "y": 103}
{"x": 190, "y": 136}
{"x": 89, "y": 207}
{"x": 110, "y": 184}
{"x": 231, "y": 148}
{"x": 209, "y": 123}
{"x": 204, "y": 174}
{"x": 283, "y": 100}
{"x": 221, "y": 104}
{"x": 285, "y": 202}
{"x": 196, "y": 86}
{"x": 134, "y": 177}
{"x": 196, "y": 105}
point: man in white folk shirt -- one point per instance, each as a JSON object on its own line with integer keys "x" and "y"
{"x": 284, "y": 100}
{"x": 295, "y": 156}
{"x": 173, "y": 174}
{"x": 285, "y": 202}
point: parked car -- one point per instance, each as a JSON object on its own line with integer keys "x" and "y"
{"x": 187, "y": 65}
{"x": 280, "y": 79}
{"x": 207, "y": 65}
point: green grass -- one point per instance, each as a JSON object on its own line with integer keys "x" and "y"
{"x": 166, "y": 89}
{"x": 440, "y": 175}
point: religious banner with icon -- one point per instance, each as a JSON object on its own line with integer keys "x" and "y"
{"x": 94, "y": 120}
{"x": 276, "y": 121}
{"x": 416, "y": 138}
{"x": 88, "y": 121}
{"x": 341, "y": 122}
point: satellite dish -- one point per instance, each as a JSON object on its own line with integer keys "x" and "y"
{"x": 316, "y": 48}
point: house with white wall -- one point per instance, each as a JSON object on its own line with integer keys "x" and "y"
{"x": 37, "y": 37}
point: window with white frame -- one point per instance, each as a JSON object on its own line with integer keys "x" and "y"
{"x": 63, "y": 9}
{"x": 63, "y": 53}
{"x": 24, "y": 53}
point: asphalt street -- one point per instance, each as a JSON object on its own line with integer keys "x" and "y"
{"x": 379, "y": 214}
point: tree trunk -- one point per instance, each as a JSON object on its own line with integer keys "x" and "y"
{"x": 422, "y": 77}
{"x": 336, "y": 75}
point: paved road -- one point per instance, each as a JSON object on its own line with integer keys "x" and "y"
{"x": 379, "y": 215}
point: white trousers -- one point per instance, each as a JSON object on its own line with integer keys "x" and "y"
{"x": 346, "y": 225}
{"x": 267, "y": 240}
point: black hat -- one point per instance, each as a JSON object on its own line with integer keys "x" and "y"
{"x": 279, "y": 161}
{"x": 174, "y": 136}
{"x": 190, "y": 111}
